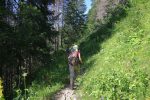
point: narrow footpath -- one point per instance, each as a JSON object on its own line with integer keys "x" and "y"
{"x": 66, "y": 94}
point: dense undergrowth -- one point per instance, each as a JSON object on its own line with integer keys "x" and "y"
{"x": 1, "y": 88}
{"x": 47, "y": 80}
{"x": 117, "y": 57}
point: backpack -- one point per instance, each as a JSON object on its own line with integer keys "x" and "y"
{"x": 73, "y": 58}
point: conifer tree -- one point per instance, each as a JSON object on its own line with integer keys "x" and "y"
{"x": 74, "y": 19}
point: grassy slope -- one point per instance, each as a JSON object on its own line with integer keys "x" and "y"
{"x": 1, "y": 89}
{"x": 119, "y": 68}
{"x": 115, "y": 50}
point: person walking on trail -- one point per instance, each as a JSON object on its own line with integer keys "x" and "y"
{"x": 74, "y": 59}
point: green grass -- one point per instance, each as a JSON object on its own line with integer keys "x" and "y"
{"x": 116, "y": 58}
{"x": 1, "y": 89}
{"x": 118, "y": 67}
{"x": 43, "y": 92}
{"x": 48, "y": 80}
{"x": 51, "y": 79}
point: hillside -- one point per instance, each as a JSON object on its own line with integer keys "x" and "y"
{"x": 113, "y": 39}
{"x": 117, "y": 57}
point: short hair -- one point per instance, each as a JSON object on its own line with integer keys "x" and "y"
{"x": 75, "y": 47}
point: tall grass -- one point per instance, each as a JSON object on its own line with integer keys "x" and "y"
{"x": 47, "y": 80}
{"x": 1, "y": 89}
{"x": 119, "y": 69}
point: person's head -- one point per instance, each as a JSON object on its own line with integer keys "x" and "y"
{"x": 75, "y": 47}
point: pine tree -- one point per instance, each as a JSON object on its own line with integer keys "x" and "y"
{"x": 74, "y": 19}
{"x": 25, "y": 41}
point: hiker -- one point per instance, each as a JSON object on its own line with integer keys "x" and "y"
{"x": 74, "y": 60}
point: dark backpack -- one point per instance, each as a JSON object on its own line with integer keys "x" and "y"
{"x": 74, "y": 60}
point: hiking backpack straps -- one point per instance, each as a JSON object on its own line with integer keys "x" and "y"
{"x": 74, "y": 58}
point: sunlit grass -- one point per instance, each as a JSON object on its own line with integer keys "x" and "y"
{"x": 1, "y": 89}
{"x": 123, "y": 62}
{"x": 44, "y": 92}
{"x": 48, "y": 80}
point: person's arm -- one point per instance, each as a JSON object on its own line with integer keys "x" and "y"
{"x": 79, "y": 55}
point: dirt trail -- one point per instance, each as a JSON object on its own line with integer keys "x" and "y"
{"x": 66, "y": 94}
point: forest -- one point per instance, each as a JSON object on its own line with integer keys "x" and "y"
{"x": 113, "y": 38}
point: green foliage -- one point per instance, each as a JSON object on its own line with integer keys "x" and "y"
{"x": 117, "y": 84}
{"x": 74, "y": 20}
{"x": 119, "y": 66}
{"x": 1, "y": 89}
{"x": 47, "y": 80}
{"x": 39, "y": 91}
{"x": 91, "y": 17}
{"x": 25, "y": 42}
